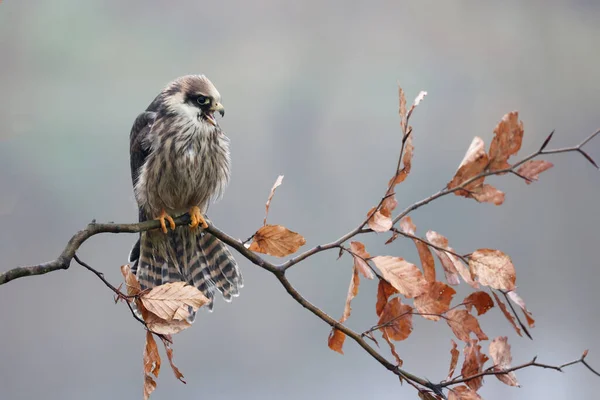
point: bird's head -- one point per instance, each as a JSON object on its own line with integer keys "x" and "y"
{"x": 196, "y": 97}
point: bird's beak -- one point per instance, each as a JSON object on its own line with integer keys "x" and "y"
{"x": 217, "y": 107}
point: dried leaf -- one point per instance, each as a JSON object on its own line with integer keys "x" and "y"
{"x": 399, "y": 361}
{"x": 500, "y": 353}
{"x": 450, "y": 262}
{"x": 463, "y": 324}
{"x": 435, "y": 301}
{"x": 426, "y": 395}
{"x": 133, "y": 286}
{"x": 169, "y": 351}
{"x": 384, "y": 291}
{"x": 487, "y": 194}
{"x": 418, "y": 100}
{"x": 276, "y": 240}
{"x": 151, "y": 365}
{"x": 173, "y": 300}
{"x": 402, "y": 110}
{"x": 517, "y": 299}
{"x": 472, "y": 164}
{"x": 425, "y": 255}
{"x": 396, "y": 319}
{"x": 402, "y": 275}
{"x": 533, "y": 168}
{"x": 336, "y": 340}
{"x": 493, "y": 268}
{"x": 163, "y": 327}
{"x": 473, "y": 364}
{"x": 379, "y": 221}
{"x": 360, "y": 255}
{"x": 277, "y": 183}
{"x": 480, "y": 300}
{"x": 454, "y": 353}
{"x": 507, "y": 314}
{"x": 506, "y": 142}
{"x": 352, "y": 292}
{"x": 463, "y": 393}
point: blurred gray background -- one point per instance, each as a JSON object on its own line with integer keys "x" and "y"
{"x": 310, "y": 92}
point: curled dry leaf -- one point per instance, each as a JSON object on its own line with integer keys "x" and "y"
{"x": 399, "y": 361}
{"x": 384, "y": 291}
{"x": 402, "y": 275}
{"x": 454, "y": 353}
{"x": 360, "y": 255}
{"x": 493, "y": 268}
{"x": 488, "y": 194}
{"x": 169, "y": 351}
{"x": 336, "y": 340}
{"x": 508, "y": 136}
{"x": 533, "y": 168}
{"x": 162, "y": 326}
{"x": 379, "y": 221}
{"x": 402, "y": 110}
{"x": 480, "y": 300}
{"x": 173, "y": 300}
{"x": 133, "y": 286}
{"x": 417, "y": 101}
{"x": 352, "y": 292}
{"x": 277, "y": 183}
{"x": 396, "y": 320}
{"x": 435, "y": 301}
{"x": 507, "y": 313}
{"x": 450, "y": 262}
{"x": 151, "y": 365}
{"x": 427, "y": 261}
{"x": 463, "y": 393}
{"x": 473, "y": 364}
{"x": 276, "y": 240}
{"x": 463, "y": 323}
{"x": 500, "y": 353}
{"x": 517, "y": 299}
{"x": 472, "y": 165}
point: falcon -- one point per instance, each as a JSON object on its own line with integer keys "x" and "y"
{"x": 180, "y": 163}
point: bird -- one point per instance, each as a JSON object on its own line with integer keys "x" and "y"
{"x": 180, "y": 162}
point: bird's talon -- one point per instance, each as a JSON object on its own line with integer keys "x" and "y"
{"x": 163, "y": 225}
{"x": 197, "y": 219}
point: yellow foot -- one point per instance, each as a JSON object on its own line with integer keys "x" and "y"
{"x": 162, "y": 217}
{"x": 197, "y": 218}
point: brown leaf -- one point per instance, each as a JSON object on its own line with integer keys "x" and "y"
{"x": 133, "y": 286}
{"x": 493, "y": 268}
{"x": 151, "y": 365}
{"x": 487, "y": 194}
{"x": 359, "y": 254}
{"x": 517, "y": 299}
{"x": 172, "y": 300}
{"x": 463, "y": 324}
{"x": 463, "y": 393}
{"x": 379, "y": 221}
{"x": 163, "y": 327}
{"x": 533, "y": 168}
{"x": 454, "y": 359}
{"x": 507, "y": 313}
{"x": 480, "y": 300}
{"x": 423, "y": 395}
{"x": 506, "y": 142}
{"x": 435, "y": 301}
{"x": 399, "y": 361}
{"x": 427, "y": 261}
{"x": 384, "y": 291}
{"x": 352, "y": 292}
{"x": 417, "y": 101}
{"x": 402, "y": 275}
{"x": 402, "y": 110}
{"x": 276, "y": 240}
{"x": 472, "y": 164}
{"x": 473, "y": 364}
{"x": 336, "y": 340}
{"x": 396, "y": 319}
{"x": 450, "y": 262}
{"x": 500, "y": 353}
{"x": 169, "y": 351}
{"x": 277, "y": 183}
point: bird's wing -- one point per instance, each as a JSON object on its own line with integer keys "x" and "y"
{"x": 138, "y": 151}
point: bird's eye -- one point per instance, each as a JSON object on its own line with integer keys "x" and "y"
{"x": 203, "y": 100}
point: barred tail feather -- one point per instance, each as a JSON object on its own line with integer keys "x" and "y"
{"x": 197, "y": 258}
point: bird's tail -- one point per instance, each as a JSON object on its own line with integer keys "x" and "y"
{"x": 199, "y": 259}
